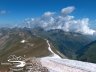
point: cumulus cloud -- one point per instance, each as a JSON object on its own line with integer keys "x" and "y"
{"x": 49, "y": 20}
{"x": 67, "y": 10}
{"x": 83, "y": 27}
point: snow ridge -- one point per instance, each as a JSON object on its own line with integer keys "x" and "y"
{"x": 49, "y": 48}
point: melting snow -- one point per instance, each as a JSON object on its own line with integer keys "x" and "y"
{"x": 23, "y": 41}
{"x": 56, "y": 64}
{"x": 49, "y": 48}
{"x": 22, "y": 63}
{"x": 66, "y": 65}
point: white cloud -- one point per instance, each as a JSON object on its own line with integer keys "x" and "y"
{"x": 2, "y": 12}
{"x": 49, "y": 13}
{"x": 65, "y": 22}
{"x": 83, "y": 26}
{"x": 68, "y": 10}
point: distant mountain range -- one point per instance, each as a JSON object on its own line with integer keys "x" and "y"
{"x": 32, "y": 43}
{"x": 68, "y": 43}
{"x": 88, "y": 53}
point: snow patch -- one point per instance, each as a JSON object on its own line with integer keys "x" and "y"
{"x": 22, "y": 63}
{"x": 23, "y": 41}
{"x": 66, "y": 65}
{"x": 49, "y": 48}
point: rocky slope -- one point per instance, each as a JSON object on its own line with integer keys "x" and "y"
{"x": 51, "y": 63}
{"x": 18, "y": 47}
{"x": 68, "y": 43}
{"x": 22, "y": 42}
{"x": 88, "y": 53}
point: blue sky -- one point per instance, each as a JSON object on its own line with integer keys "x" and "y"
{"x": 15, "y": 11}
